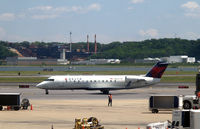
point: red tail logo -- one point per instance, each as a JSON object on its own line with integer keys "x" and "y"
{"x": 158, "y": 70}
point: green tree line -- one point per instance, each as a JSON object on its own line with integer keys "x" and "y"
{"x": 129, "y": 50}
{"x": 150, "y": 48}
{"x": 4, "y": 52}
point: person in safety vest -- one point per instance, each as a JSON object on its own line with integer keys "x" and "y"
{"x": 110, "y": 100}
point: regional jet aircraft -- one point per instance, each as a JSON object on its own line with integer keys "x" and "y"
{"x": 104, "y": 83}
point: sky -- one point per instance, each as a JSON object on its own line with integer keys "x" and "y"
{"x": 110, "y": 20}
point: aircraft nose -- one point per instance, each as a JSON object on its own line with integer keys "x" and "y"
{"x": 39, "y": 85}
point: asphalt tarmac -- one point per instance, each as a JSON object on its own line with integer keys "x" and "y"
{"x": 140, "y": 93}
{"x": 61, "y": 107}
{"x": 37, "y": 75}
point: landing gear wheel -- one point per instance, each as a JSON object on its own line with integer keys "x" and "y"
{"x": 105, "y": 91}
{"x": 25, "y": 103}
{"x": 187, "y": 105}
{"x": 154, "y": 110}
{"x": 46, "y": 92}
{"x": 94, "y": 121}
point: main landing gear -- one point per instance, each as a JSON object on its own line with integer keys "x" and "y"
{"x": 46, "y": 92}
{"x": 105, "y": 91}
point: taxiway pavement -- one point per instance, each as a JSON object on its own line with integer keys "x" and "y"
{"x": 61, "y": 107}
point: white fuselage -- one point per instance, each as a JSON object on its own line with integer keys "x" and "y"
{"x": 97, "y": 82}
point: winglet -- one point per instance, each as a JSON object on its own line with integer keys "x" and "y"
{"x": 158, "y": 70}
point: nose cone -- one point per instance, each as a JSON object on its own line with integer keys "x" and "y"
{"x": 40, "y": 85}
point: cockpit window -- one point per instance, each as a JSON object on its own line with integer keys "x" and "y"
{"x": 49, "y": 80}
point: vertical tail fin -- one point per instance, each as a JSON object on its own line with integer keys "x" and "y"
{"x": 158, "y": 70}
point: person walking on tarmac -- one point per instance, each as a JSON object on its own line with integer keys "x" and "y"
{"x": 109, "y": 100}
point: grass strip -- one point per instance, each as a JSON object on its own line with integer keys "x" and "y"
{"x": 188, "y": 79}
{"x": 26, "y": 73}
{"x": 40, "y": 79}
{"x": 22, "y": 79}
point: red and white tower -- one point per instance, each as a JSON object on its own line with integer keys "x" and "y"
{"x": 88, "y": 45}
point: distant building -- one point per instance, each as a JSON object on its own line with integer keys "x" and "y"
{"x": 63, "y": 62}
{"x": 63, "y": 59}
{"x": 77, "y": 55}
{"x": 165, "y": 59}
{"x": 105, "y": 61}
{"x": 35, "y": 61}
{"x": 191, "y": 59}
{"x": 147, "y": 60}
{"x": 96, "y": 61}
{"x": 181, "y": 59}
{"x": 62, "y": 54}
{"x": 20, "y": 60}
{"x": 171, "y": 59}
{"x": 29, "y": 61}
{"x": 178, "y": 59}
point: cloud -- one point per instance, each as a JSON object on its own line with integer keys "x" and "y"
{"x": 7, "y": 17}
{"x": 192, "y": 9}
{"x": 94, "y": 6}
{"x": 193, "y": 15}
{"x": 137, "y": 1}
{"x": 191, "y": 35}
{"x": 42, "y": 17}
{"x": 42, "y": 8}
{"x": 190, "y": 5}
{"x": 130, "y": 8}
{"x": 50, "y": 12}
{"x": 80, "y": 9}
{"x": 150, "y": 32}
{"x": 22, "y": 15}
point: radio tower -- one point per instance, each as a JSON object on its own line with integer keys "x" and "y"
{"x": 70, "y": 41}
{"x": 95, "y": 45}
{"x": 88, "y": 45}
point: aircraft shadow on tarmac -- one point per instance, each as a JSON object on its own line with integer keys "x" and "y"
{"x": 121, "y": 93}
{"x": 113, "y": 93}
{"x": 160, "y": 112}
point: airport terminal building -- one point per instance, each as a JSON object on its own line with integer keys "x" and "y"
{"x": 30, "y": 61}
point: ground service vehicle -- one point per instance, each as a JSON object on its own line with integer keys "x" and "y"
{"x": 91, "y": 123}
{"x": 181, "y": 119}
{"x": 164, "y": 103}
{"x": 186, "y": 119}
{"x": 12, "y": 100}
{"x": 194, "y": 100}
{"x": 159, "y": 125}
